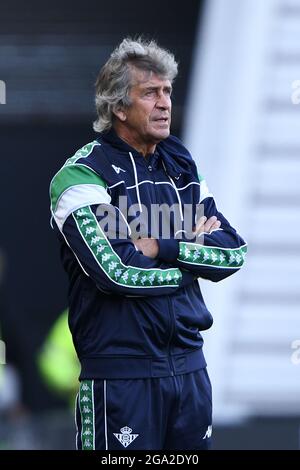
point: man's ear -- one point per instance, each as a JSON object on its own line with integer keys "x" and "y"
{"x": 120, "y": 113}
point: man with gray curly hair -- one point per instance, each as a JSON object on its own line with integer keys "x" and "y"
{"x": 136, "y": 309}
{"x": 118, "y": 75}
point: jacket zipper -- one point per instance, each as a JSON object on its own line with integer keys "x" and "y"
{"x": 171, "y": 313}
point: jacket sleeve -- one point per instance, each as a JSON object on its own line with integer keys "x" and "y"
{"x": 213, "y": 256}
{"x": 81, "y": 208}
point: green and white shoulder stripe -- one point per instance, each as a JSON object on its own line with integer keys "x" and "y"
{"x": 76, "y": 185}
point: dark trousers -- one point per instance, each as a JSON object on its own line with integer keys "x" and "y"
{"x": 171, "y": 413}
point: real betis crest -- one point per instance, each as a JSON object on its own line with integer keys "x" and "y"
{"x": 125, "y": 437}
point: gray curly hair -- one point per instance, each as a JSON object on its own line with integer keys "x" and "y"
{"x": 114, "y": 80}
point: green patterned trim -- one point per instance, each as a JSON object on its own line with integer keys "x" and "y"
{"x": 84, "y": 152}
{"x": 87, "y": 412}
{"x": 111, "y": 263}
{"x": 70, "y": 176}
{"x": 230, "y": 258}
{"x": 56, "y": 185}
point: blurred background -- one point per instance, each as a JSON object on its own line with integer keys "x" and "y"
{"x": 237, "y": 108}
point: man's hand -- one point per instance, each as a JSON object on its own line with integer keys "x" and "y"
{"x": 148, "y": 246}
{"x": 207, "y": 226}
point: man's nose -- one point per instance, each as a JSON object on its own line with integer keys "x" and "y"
{"x": 163, "y": 101}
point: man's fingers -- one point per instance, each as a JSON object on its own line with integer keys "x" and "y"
{"x": 148, "y": 246}
{"x": 209, "y": 223}
{"x": 215, "y": 226}
{"x": 200, "y": 225}
{"x": 204, "y": 225}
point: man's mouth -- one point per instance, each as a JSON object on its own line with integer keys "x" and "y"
{"x": 162, "y": 119}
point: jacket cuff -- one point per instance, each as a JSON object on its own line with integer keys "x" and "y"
{"x": 168, "y": 249}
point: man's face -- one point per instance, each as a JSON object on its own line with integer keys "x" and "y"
{"x": 148, "y": 118}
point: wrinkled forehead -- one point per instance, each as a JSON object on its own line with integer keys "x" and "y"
{"x": 141, "y": 77}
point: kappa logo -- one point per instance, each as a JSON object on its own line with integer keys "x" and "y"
{"x": 208, "y": 433}
{"x": 126, "y": 438}
{"x": 118, "y": 169}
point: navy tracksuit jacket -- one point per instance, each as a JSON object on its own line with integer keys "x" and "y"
{"x": 133, "y": 317}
